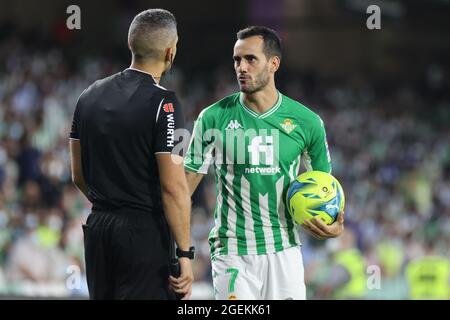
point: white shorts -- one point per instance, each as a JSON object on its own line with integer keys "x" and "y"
{"x": 274, "y": 276}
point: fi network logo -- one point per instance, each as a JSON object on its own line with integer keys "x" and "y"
{"x": 258, "y": 146}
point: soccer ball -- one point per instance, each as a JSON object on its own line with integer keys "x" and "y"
{"x": 315, "y": 194}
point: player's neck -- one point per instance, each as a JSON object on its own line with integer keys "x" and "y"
{"x": 153, "y": 69}
{"x": 262, "y": 100}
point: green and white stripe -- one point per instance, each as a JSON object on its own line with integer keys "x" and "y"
{"x": 244, "y": 227}
{"x": 247, "y": 211}
{"x": 265, "y": 219}
{"x": 231, "y": 214}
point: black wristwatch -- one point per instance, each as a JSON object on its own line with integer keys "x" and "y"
{"x": 186, "y": 254}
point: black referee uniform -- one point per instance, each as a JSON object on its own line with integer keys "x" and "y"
{"x": 122, "y": 121}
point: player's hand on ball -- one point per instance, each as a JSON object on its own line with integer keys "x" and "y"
{"x": 322, "y": 231}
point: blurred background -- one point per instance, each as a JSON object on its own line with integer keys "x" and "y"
{"x": 384, "y": 96}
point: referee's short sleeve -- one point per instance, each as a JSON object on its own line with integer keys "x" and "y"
{"x": 169, "y": 117}
{"x": 74, "y": 131}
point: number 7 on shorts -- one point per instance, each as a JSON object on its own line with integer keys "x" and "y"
{"x": 234, "y": 273}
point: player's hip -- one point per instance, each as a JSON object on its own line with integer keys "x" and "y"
{"x": 232, "y": 246}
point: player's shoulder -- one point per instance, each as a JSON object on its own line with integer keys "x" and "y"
{"x": 221, "y": 106}
{"x": 302, "y": 112}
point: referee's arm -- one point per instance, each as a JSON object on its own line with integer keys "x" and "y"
{"x": 76, "y": 167}
{"x": 175, "y": 197}
{"x": 174, "y": 189}
{"x": 177, "y": 208}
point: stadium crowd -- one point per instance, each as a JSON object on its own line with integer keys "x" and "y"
{"x": 390, "y": 147}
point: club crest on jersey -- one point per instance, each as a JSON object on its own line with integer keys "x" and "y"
{"x": 168, "y": 107}
{"x": 288, "y": 125}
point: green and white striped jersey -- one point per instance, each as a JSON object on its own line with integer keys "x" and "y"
{"x": 255, "y": 157}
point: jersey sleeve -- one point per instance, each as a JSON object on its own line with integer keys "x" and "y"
{"x": 75, "y": 131}
{"x": 200, "y": 155}
{"x": 169, "y": 118}
{"x": 318, "y": 147}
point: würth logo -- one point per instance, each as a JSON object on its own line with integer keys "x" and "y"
{"x": 168, "y": 107}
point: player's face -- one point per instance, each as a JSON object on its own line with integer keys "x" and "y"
{"x": 251, "y": 64}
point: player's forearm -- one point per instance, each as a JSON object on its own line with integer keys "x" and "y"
{"x": 193, "y": 179}
{"x": 177, "y": 209}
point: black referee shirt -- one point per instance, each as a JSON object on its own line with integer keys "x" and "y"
{"x": 122, "y": 121}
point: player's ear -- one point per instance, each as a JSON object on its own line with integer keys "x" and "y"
{"x": 274, "y": 63}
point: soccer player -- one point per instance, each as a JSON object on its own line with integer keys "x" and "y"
{"x": 256, "y": 140}
{"x": 121, "y": 147}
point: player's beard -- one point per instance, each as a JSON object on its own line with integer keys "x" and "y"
{"x": 260, "y": 81}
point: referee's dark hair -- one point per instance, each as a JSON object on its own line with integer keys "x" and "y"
{"x": 272, "y": 42}
{"x": 151, "y": 32}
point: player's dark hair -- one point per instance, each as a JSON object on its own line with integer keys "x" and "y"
{"x": 272, "y": 42}
{"x": 150, "y": 31}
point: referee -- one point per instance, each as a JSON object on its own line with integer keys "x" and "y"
{"x": 121, "y": 146}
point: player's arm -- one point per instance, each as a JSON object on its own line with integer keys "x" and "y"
{"x": 320, "y": 160}
{"x": 193, "y": 180}
{"x": 199, "y": 154}
{"x": 76, "y": 166}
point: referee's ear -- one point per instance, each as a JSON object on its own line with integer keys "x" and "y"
{"x": 170, "y": 54}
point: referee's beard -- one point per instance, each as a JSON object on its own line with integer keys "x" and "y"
{"x": 169, "y": 67}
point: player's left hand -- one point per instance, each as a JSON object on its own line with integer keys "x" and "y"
{"x": 322, "y": 231}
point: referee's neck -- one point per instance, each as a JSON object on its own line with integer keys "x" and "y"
{"x": 152, "y": 69}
